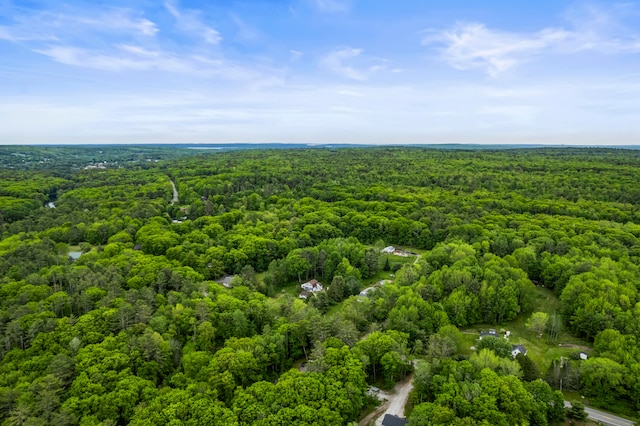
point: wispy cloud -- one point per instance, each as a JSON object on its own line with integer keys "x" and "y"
{"x": 122, "y": 59}
{"x": 473, "y": 45}
{"x": 127, "y": 57}
{"x": 294, "y": 55}
{"x": 54, "y": 25}
{"x": 332, "y": 6}
{"x": 120, "y": 39}
{"x": 605, "y": 30}
{"x": 191, "y": 22}
{"x": 246, "y": 32}
{"x": 117, "y": 19}
{"x": 350, "y": 63}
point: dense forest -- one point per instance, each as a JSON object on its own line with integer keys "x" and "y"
{"x": 137, "y": 327}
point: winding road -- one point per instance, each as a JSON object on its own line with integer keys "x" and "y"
{"x": 604, "y": 418}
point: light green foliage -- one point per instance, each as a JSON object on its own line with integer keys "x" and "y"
{"x": 136, "y": 331}
{"x": 463, "y": 393}
{"x": 499, "y": 346}
{"x": 538, "y": 322}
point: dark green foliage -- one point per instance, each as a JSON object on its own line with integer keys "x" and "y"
{"x": 530, "y": 371}
{"x": 576, "y": 411}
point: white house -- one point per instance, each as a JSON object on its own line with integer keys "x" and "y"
{"x": 518, "y": 349}
{"x": 366, "y": 291}
{"x": 389, "y": 249}
{"x": 312, "y": 286}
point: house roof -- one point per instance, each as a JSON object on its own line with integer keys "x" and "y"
{"x": 391, "y": 420}
{"x": 366, "y": 291}
{"x": 520, "y": 348}
{"x": 75, "y": 255}
{"x": 226, "y": 280}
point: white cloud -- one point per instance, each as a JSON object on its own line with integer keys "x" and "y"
{"x": 467, "y": 46}
{"x": 350, "y": 63}
{"x": 190, "y": 21}
{"x": 120, "y": 39}
{"x": 472, "y": 45}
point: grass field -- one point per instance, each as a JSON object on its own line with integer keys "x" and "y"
{"x": 539, "y": 349}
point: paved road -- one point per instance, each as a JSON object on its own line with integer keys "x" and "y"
{"x": 604, "y": 418}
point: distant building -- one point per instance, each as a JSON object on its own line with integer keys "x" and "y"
{"x": 389, "y": 249}
{"x": 304, "y": 295}
{"x": 75, "y": 255}
{"x": 312, "y": 286}
{"x": 373, "y": 391}
{"x": 226, "y": 280}
{"x": 518, "y": 349}
{"x": 366, "y": 291}
{"x": 391, "y": 420}
{"x": 491, "y": 332}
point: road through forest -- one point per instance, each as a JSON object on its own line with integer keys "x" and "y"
{"x": 604, "y": 418}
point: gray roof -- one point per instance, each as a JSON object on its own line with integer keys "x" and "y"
{"x": 391, "y": 420}
{"x": 520, "y": 347}
{"x": 226, "y": 280}
{"x": 75, "y": 255}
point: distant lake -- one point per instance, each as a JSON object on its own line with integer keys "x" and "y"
{"x": 202, "y": 147}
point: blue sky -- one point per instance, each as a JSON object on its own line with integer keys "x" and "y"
{"x": 319, "y": 71}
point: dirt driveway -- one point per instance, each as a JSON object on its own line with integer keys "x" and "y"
{"x": 395, "y": 402}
